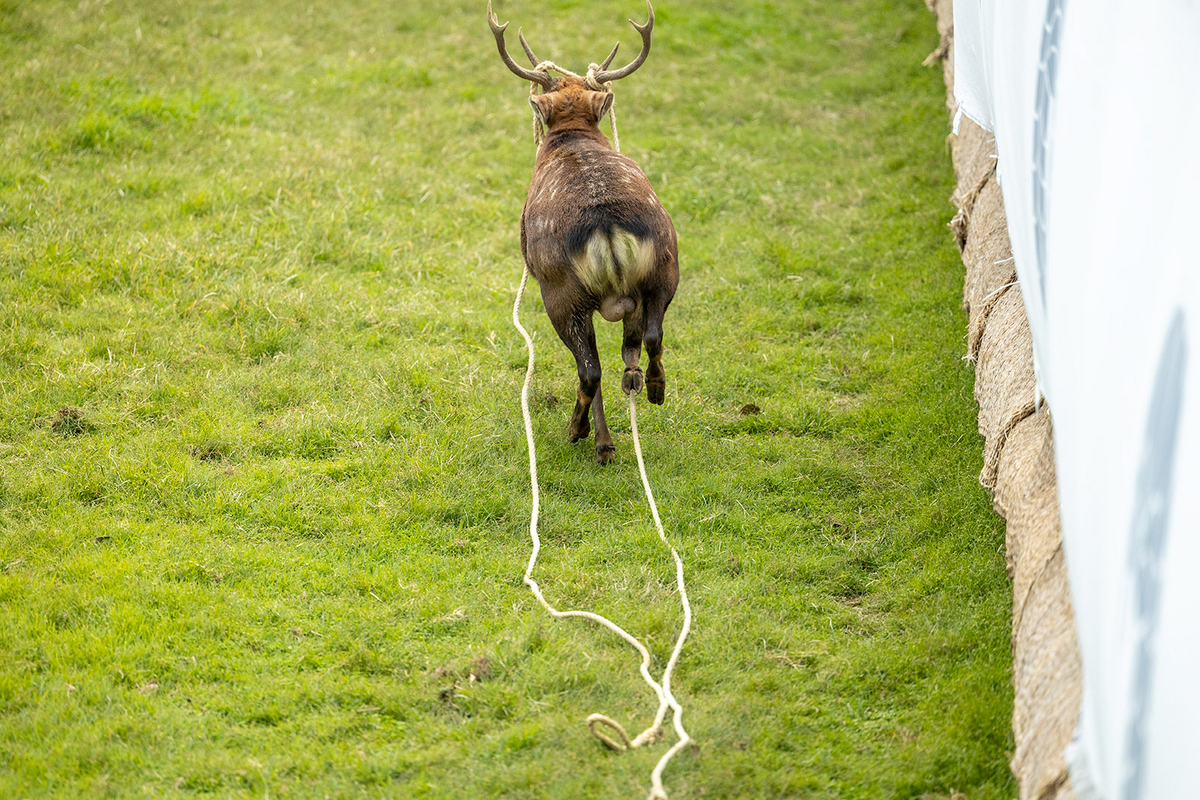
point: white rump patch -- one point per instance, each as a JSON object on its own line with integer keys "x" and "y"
{"x": 616, "y": 265}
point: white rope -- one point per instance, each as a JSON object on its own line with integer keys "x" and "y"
{"x": 662, "y": 690}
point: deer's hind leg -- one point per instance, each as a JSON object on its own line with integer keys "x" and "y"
{"x": 575, "y": 329}
{"x": 604, "y": 443}
{"x": 631, "y": 349}
{"x": 656, "y": 376}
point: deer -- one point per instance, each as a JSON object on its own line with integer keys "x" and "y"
{"x": 593, "y": 232}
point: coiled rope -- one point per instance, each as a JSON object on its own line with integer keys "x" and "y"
{"x": 661, "y": 690}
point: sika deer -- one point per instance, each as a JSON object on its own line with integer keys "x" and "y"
{"x": 593, "y": 232}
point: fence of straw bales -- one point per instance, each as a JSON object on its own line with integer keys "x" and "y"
{"x": 1018, "y": 458}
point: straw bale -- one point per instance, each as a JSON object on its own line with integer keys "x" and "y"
{"x": 1026, "y": 495}
{"x": 1046, "y": 679}
{"x": 1046, "y": 666}
{"x": 988, "y": 258}
{"x": 980, "y": 227}
{"x": 1004, "y": 379}
{"x": 973, "y": 153}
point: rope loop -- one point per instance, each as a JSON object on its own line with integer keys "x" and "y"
{"x": 592, "y": 83}
{"x": 612, "y": 724}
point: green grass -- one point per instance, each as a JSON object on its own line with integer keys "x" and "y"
{"x": 263, "y": 487}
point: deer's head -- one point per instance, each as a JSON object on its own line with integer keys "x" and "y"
{"x": 571, "y": 101}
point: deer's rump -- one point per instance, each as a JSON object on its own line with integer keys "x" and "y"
{"x": 609, "y": 247}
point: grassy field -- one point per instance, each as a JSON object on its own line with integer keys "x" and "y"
{"x": 263, "y": 489}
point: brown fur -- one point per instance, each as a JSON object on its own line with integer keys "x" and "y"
{"x": 595, "y": 237}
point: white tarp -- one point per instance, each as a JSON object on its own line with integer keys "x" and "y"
{"x": 1095, "y": 107}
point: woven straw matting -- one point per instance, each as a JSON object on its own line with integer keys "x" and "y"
{"x": 1018, "y": 460}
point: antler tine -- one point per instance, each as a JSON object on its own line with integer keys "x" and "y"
{"x": 528, "y": 50}
{"x": 541, "y": 78}
{"x": 604, "y": 64}
{"x": 646, "y": 30}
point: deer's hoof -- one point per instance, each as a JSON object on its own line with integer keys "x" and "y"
{"x": 656, "y": 393}
{"x": 605, "y": 453}
{"x": 631, "y": 381}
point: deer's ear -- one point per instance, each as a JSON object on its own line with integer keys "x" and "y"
{"x": 543, "y": 106}
{"x": 601, "y": 103}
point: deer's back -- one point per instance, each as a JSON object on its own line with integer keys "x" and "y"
{"x": 591, "y": 213}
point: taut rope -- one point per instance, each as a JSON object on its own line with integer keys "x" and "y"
{"x": 662, "y": 690}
